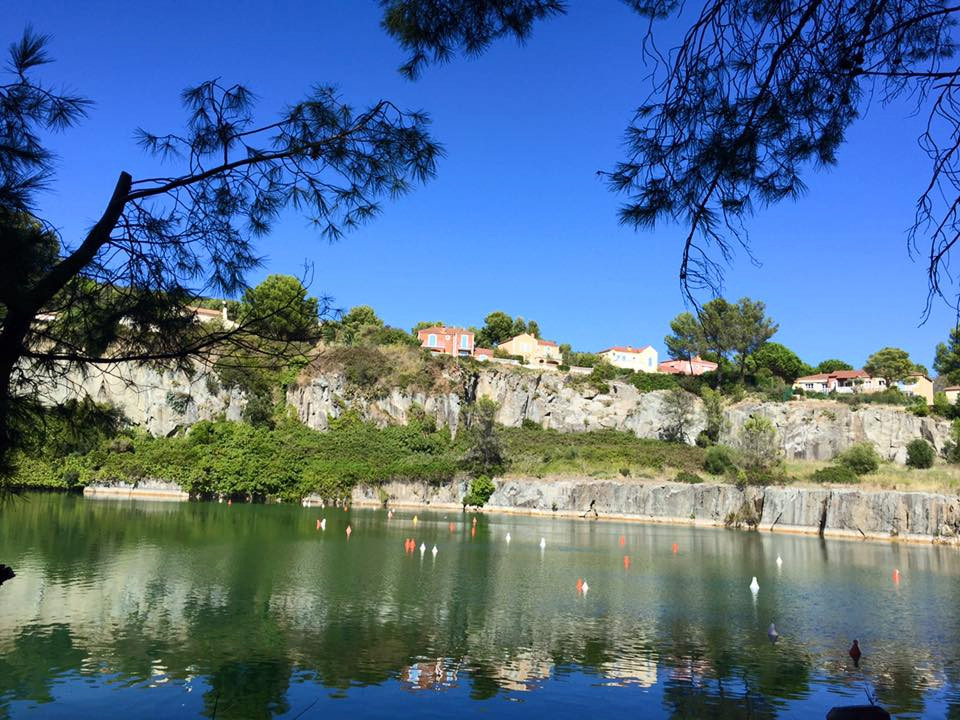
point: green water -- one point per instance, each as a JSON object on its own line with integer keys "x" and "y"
{"x": 153, "y": 609}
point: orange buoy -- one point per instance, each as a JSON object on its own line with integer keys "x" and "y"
{"x": 230, "y": 501}
{"x": 579, "y": 584}
{"x": 349, "y": 530}
{"x": 473, "y": 531}
{"x": 896, "y": 576}
{"x": 453, "y": 527}
{"x": 626, "y": 562}
{"x": 623, "y": 540}
{"x": 318, "y": 523}
{"x": 676, "y": 548}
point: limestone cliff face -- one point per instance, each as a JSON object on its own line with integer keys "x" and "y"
{"x": 819, "y": 430}
{"x": 838, "y": 512}
{"x": 161, "y": 402}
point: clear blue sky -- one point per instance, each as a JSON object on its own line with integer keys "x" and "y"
{"x": 517, "y": 219}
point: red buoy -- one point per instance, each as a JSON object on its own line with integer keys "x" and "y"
{"x": 453, "y": 527}
{"x": 626, "y": 562}
{"x": 623, "y": 541}
{"x": 676, "y": 548}
{"x": 896, "y": 576}
{"x": 579, "y": 584}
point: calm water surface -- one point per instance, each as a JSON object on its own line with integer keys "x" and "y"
{"x": 177, "y": 610}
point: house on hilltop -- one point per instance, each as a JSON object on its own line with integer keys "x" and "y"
{"x": 642, "y": 359}
{"x": 532, "y": 349}
{"x": 694, "y": 366}
{"x": 917, "y": 385}
{"x": 841, "y": 381}
{"x": 446, "y": 341}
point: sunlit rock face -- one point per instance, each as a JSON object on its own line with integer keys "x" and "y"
{"x": 819, "y": 430}
{"x": 163, "y": 402}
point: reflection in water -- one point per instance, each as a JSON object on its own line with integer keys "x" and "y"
{"x": 251, "y": 611}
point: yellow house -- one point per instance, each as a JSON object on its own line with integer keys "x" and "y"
{"x": 917, "y": 385}
{"x": 637, "y": 359}
{"x": 533, "y": 350}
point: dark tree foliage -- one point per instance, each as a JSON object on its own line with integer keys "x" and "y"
{"x": 756, "y": 94}
{"x": 122, "y": 291}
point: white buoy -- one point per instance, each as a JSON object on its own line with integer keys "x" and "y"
{"x": 585, "y": 587}
{"x": 754, "y": 585}
{"x": 323, "y": 524}
{"x": 434, "y": 551}
{"x": 423, "y": 548}
{"x": 779, "y": 561}
{"x": 543, "y": 543}
{"x": 508, "y": 537}
{"x": 772, "y": 633}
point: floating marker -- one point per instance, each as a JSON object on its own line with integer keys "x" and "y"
{"x": 779, "y": 561}
{"x": 434, "y": 551}
{"x": 676, "y": 548}
{"x": 473, "y": 531}
{"x": 349, "y": 530}
{"x": 508, "y": 537}
{"x": 626, "y": 562}
{"x": 230, "y": 501}
{"x": 543, "y": 543}
{"x": 754, "y": 585}
{"x": 623, "y": 541}
{"x": 579, "y": 584}
{"x": 474, "y": 521}
{"x": 423, "y": 548}
{"x": 772, "y": 633}
{"x": 585, "y": 587}
{"x": 414, "y": 519}
{"x": 896, "y": 576}
{"x": 318, "y": 523}
{"x": 453, "y": 527}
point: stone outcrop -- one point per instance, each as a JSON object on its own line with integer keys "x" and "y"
{"x": 838, "y": 512}
{"x": 819, "y": 430}
{"x": 158, "y": 401}
{"x": 162, "y": 402}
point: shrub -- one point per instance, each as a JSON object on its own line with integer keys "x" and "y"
{"x": 485, "y": 454}
{"x": 677, "y": 412}
{"x": 648, "y": 382}
{"x": 919, "y": 454}
{"x": 759, "y": 448}
{"x": 838, "y": 474}
{"x": 529, "y": 424}
{"x": 480, "y": 491}
{"x": 719, "y": 460}
{"x": 688, "y": 477}
{"x": 951, "y": 450}
{"x": 862, "y": 458}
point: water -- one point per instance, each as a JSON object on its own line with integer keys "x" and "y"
{"x": 175, "y": 610}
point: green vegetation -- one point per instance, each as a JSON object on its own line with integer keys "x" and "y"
{"x": 481, "y": 489}
{"x": 892, "y": 364}
{"x": 758, "y": 445}
{"x": 498, "y": 327}
{"x": 861, "y": 459}
{"x": 920, "y": 454}
{"x": 720, "y": 460}
{"x": 840, "y": 474}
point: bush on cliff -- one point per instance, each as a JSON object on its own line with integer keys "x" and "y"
{"x": 862, "y": 458}
{"x": 920, "y": 454}
{"x": 720, "y": 460}
{"x": 758, "y": 445}
{"x": 481, "y": 489}
{"x": 835, "y": 474}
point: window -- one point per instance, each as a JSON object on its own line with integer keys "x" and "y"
{"x": 464, "y": 341}
{"x": 432, "y": 340}
{"x": 649, "y": 362}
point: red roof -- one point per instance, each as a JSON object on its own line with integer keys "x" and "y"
{"x": 551, "y": 343}
{"x": 483, "y": 351}
{"x": 837, "y": 375}
{"x": 627, "y": 349}
{"x": 444, "y": 330}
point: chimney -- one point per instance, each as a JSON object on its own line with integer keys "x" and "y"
{"x": 223, "y": 310}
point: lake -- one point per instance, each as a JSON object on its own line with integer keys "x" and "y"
{"x": 153, "y": 609}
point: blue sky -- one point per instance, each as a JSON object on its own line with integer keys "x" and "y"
{"x": 517, "y": 219}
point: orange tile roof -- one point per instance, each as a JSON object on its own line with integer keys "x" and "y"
{"x": 445, "y": 330}
{"x": 627, "y": 349}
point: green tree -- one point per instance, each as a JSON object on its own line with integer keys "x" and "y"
{"x": 497, "y": 328}
{"x": 355, "y": 328}
{"x": 780, "y": 360}
{"x": 677, "y": 413}
{"x": 751, "y": 328}
{"x": 279, "y": 308}
{"x": 752, "y": 97}
{"x": 832, "y": 365}
{"x": 891, "y": 364}
{"x": 758, "y": 445}
{"x": 687, "y": 338}
{"x": 181, "y": 232}
{"x": 423, "y": 325}
{"x": 519, "y": 326}
{"x": 947, "y": 359}
{"x": 533, "y": 328}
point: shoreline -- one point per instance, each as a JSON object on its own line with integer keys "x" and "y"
{"x": 834, "y": 512}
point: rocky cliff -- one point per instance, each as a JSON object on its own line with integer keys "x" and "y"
{"x": 162, "y": 402}
{"x": 924, "y": 517}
